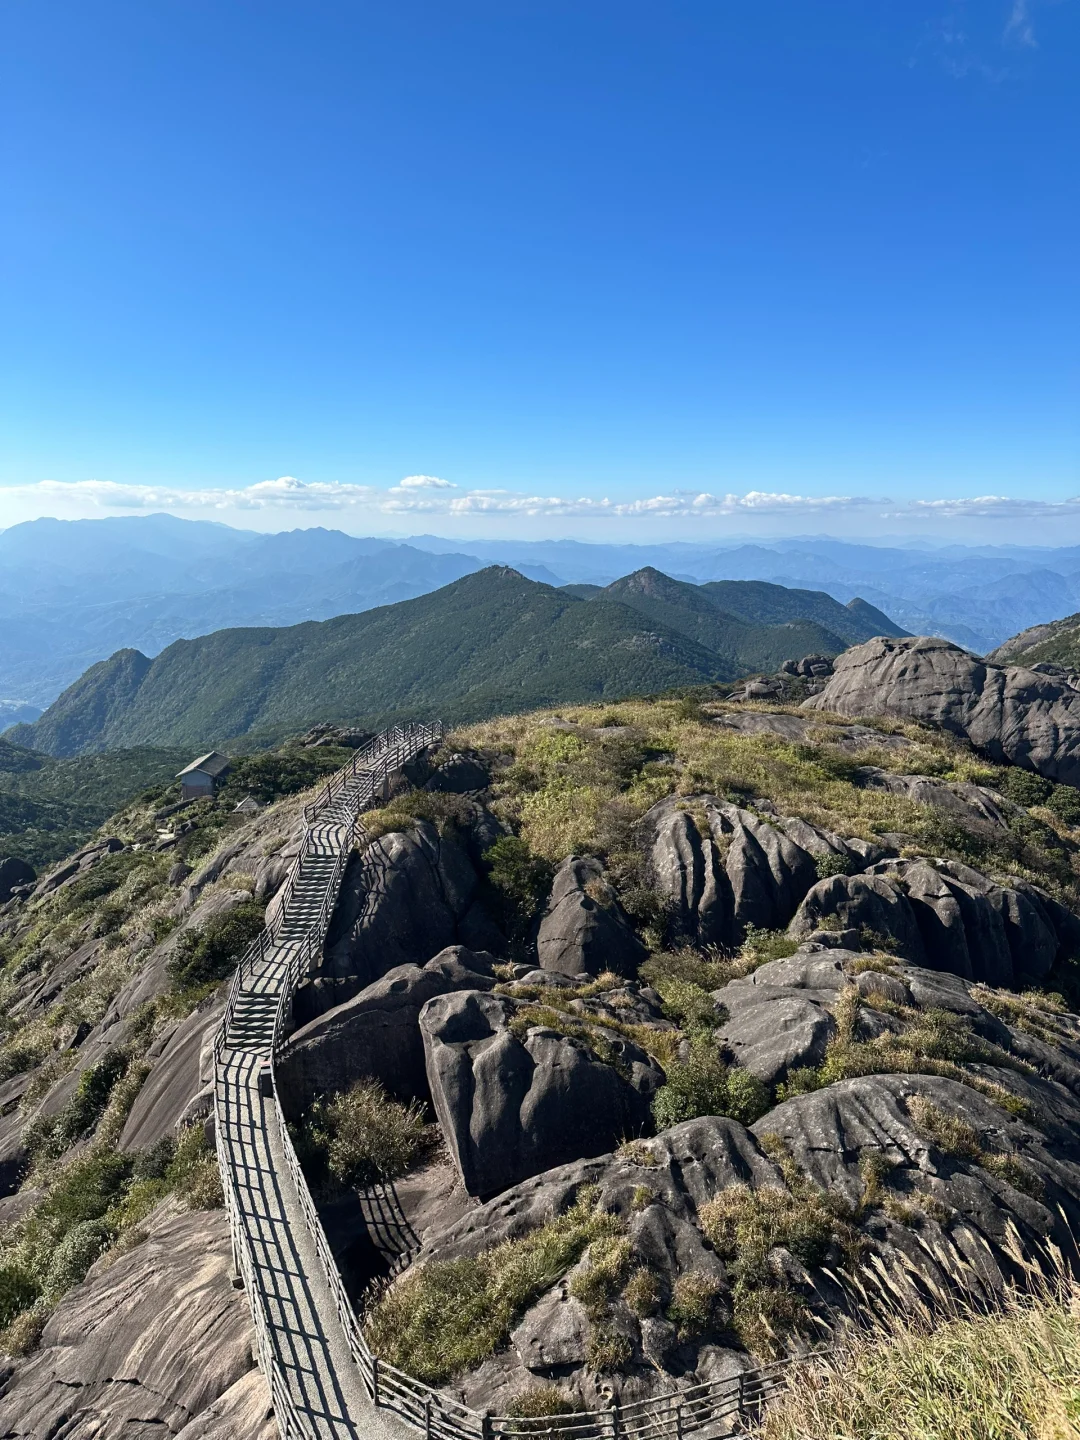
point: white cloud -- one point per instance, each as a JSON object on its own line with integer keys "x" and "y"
{"x": 1020, "y": 29}
{"x": 425, "y": 495}
{"x": 424, "y": 482}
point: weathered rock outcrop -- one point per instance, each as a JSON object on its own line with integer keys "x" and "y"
{"x": 14, "y": 872}
{"x": 78, "y": 864}
{"x": 376, "y": 1035}
{"x": 721, "y": 868}
{"x": 583, "y": 927}
{"x": 411, "y": 894}
{"x": 944, "y": 915}
{"x": 780, "y": 1018}
{"x": 511, "y": 1107}
{"x": 180, "y": 1086}
{"x": 675, "y": 1174}
{"x": 1009, "y": 713}
{"x": 459, "y": 775}
{"x": 157, "y": 1343}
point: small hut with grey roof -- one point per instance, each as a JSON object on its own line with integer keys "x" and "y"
{"x": 199, "y": 779}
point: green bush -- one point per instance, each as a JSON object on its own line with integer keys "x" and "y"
{"x": 74, "y": 1255}
{"x": 1065, "y": 804}
{"x": 18, "y": 1291}
{"x": 450, "y": 1315}
{"x": 520, "y": 882}
{"x": 705, "y": 1085}
{"x": 363, "y": 1135}
{"x": 211, "y": 953}
{"x": 48, "y": 1138}
{"x": 1024, "y": 788}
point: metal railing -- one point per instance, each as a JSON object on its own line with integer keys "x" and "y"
{"x": 433, "y": 1413}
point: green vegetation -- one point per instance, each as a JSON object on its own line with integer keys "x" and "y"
{"x": 90, "y": 1206}
{"x": 450, "y": 1315}
{"x": 705, "y": 1085}
{"x": 360, "y": 1136}
{"x": 745, "y": 1225}
{"x": 490, "y": 643}
{"x": 694, "y": 1302}
{"x": 925, "y": 1042}
{"x": 519, "y": 884}
{"x": 50, "y": 807}
{"x": 210, "y": 953}
{"x": 584, "y": 790}
{"x": 962, "y": 1141}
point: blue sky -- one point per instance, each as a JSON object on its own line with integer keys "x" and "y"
{"x": 604, "y": 269}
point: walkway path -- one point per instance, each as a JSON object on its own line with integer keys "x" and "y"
{"x": 317, "y": 1388}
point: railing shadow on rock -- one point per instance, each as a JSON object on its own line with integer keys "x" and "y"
{"x": 696, "y": 1409}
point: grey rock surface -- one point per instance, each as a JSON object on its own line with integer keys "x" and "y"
{"x": 179, "y": 1087}
{"x": 14, "y": 872}
{"x": 512, "y": 1107}
{"x": 583, "y": 927}
{"x": 376, "y": 1034}
{"x": 152, "y": 1345}
{"x": 1009, "y": 713}
{"x": 411, "y": 894}
{"x": 868, "y": 903}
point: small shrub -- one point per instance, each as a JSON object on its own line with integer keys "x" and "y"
{"x": 642, "y": 1292}
{"x": 1064, "y": 802}
{"x": 1024, "y": 788}
{"x": 211, "y": 953}
{"x": 831, "y": 863}
{"x": 364, "y": 1134}
{"x": 705, "y": 1085}
{"x": 693, "y": 1304}
{"x": 519, "y": 882}
{"x": 758, "y": 946}
{"x": 607, "y": 1351}
{"x": 74, "y": 1255}
{"x": 642, "y": 1198}
{"x": 18, "y": 1291}
{"x": 602, "y": 1272}
{"x": 539, "y": 1402}
{"x": 450, "y": 1315}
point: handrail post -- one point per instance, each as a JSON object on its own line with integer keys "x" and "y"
{"x": 375, "y": 1379}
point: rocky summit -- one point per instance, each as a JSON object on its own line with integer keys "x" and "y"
{"x": 647, "y": 1043}
{"x": 1009, "y": 713}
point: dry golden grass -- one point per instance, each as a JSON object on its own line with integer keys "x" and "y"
{"x": 1010, "y": 1375}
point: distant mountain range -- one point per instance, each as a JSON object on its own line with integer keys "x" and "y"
{"x": 74, "y": 592}
{"x": 490, "y": 643}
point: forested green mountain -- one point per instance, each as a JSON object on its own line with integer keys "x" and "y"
{"x": 752, "y": 624}
{"x": 49, "y": 806}
{"x": 489, "y": 643}
{"x": 1057, "y": 643}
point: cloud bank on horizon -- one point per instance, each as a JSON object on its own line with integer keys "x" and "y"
{"x": 272, "y": 504}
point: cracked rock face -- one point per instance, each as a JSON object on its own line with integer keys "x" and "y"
{"x": 1009, "y": 713}
{"x": 583, "y": 928}
{"x": 155, "y": 1345}
{"x": 411, "y": 894}
{"x": 376, "y": 1035}
{"x": 511, "y": 1107}
{"x": 945, "y": 915}
{"x": 722, "y": 868}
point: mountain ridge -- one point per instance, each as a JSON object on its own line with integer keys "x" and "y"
{"x": 491, "y": 641}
